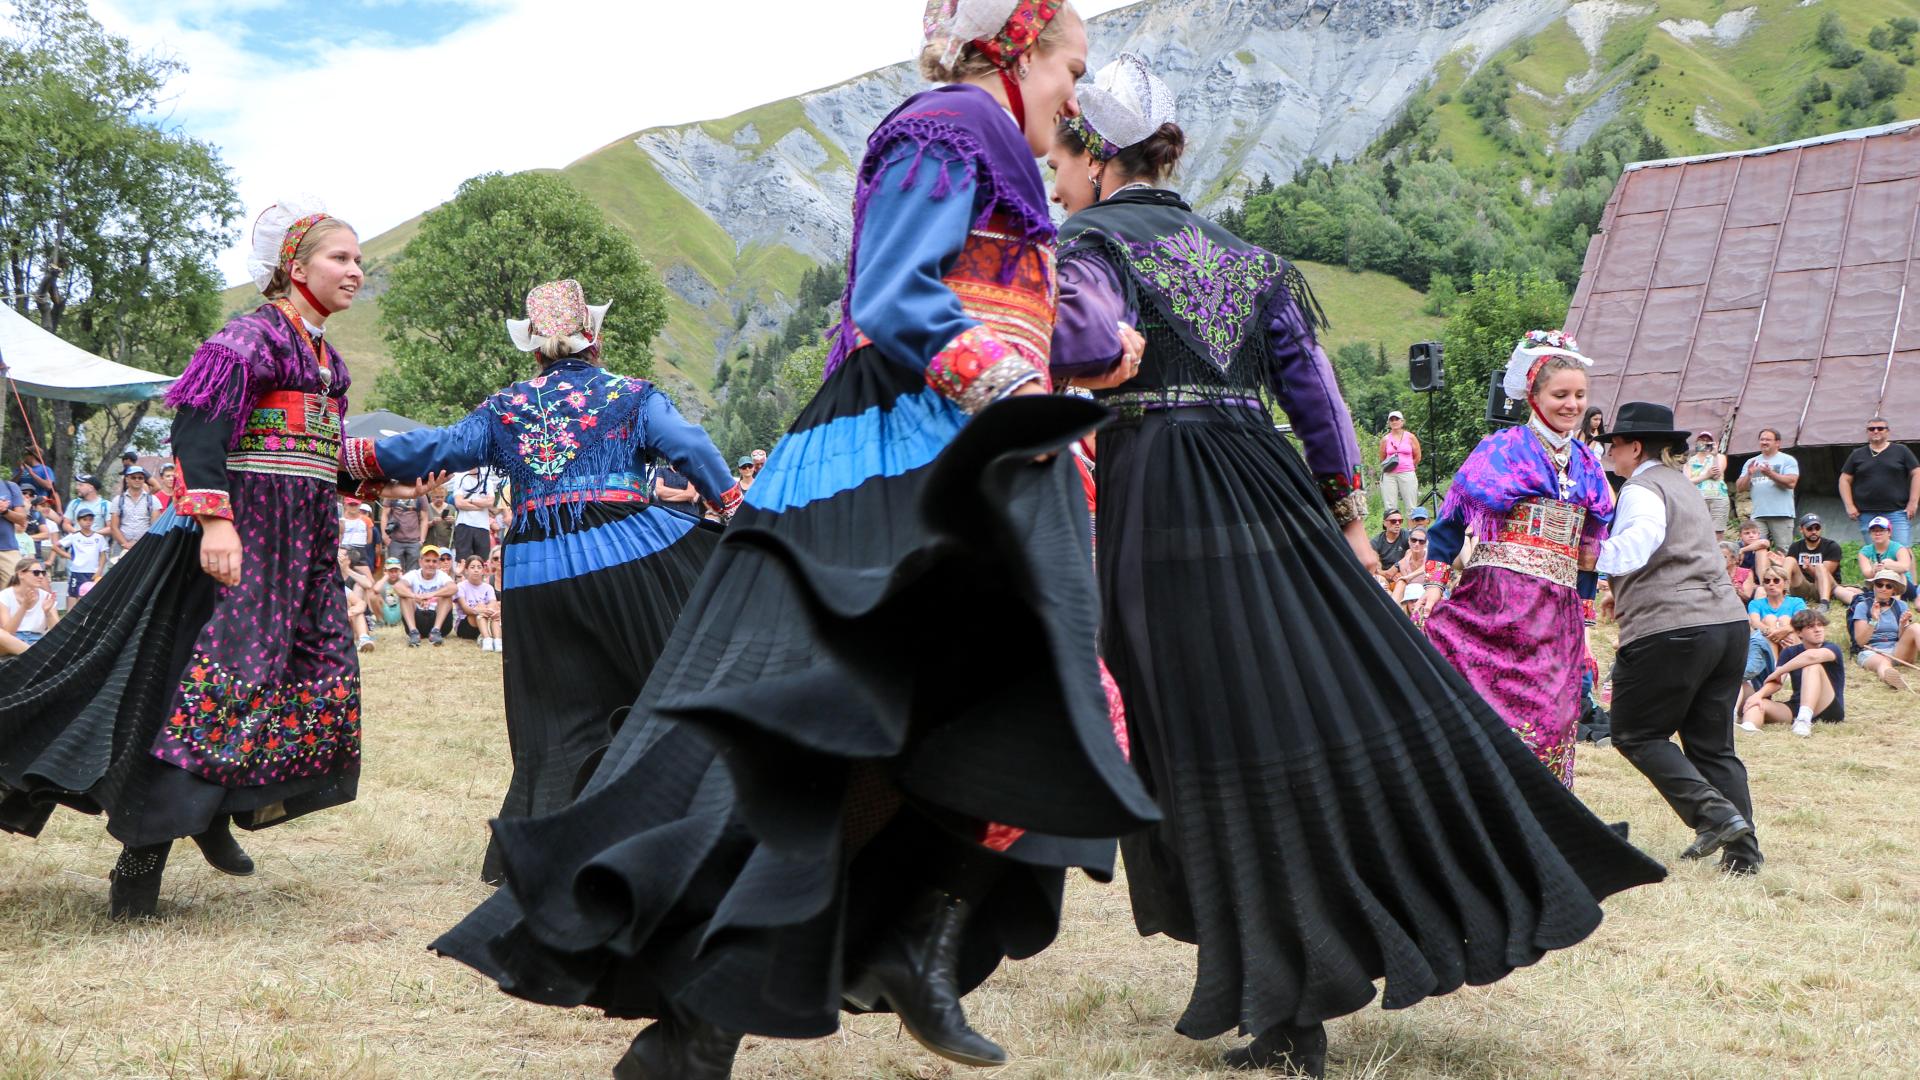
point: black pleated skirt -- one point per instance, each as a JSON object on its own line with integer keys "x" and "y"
{"x": 82, "y": 710}
{"x": 905, "y": 606}
{"x": 582, "y": 639}
{"x": 1340, "y": 807}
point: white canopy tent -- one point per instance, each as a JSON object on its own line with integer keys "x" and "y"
{"x": 44, "y": 366}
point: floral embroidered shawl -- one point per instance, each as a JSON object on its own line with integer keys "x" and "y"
{"x": 573, "y": 422}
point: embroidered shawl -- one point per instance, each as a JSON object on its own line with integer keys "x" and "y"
{"x": 573, "y": 423}
{"x": 255, "y": 354}
{"x": 975, "y": 135}
{"x": 1212, "y": 288}
{"x": 1510, "y": 465}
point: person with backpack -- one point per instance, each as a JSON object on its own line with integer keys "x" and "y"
{"x": 134, "y": 511}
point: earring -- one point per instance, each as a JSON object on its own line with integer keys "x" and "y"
{"x": 1023, "y": 73}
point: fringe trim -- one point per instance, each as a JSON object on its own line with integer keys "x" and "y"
{"x": 217, "y": 382}
{"x": 993, "y": 194}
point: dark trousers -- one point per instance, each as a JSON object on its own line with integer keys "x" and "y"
{"x": 470, "y": 540}
{"x": 1686, "y": 682}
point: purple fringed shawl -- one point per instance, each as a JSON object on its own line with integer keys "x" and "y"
{"x": 257, "y": 353}
{"x": 980, "y": 136}
{"x": 1511, "y": 465}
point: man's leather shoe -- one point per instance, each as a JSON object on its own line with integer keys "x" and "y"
{"x": 1713, "y": 838}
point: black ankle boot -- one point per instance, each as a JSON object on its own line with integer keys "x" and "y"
{"x": 914, "y": 973}
{"x": 681, "y": 1049}
{"x": 134, "y": 891}
{"x": 222, "y": 851}
{"x": 1303, "y": 1050}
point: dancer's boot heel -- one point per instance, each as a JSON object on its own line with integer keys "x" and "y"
{"x": 134, "y": 882}
{"x": 914, "y": 972}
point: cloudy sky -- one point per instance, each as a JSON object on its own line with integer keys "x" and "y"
{"x": 383, "y": 107}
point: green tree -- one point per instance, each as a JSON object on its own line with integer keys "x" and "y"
{"x": 469, "y": 269}
{"x": 1486, "y": 322}
{"x": 109, "y": 221}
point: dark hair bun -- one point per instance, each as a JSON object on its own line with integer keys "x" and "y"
{"x": 1154, "y": 158}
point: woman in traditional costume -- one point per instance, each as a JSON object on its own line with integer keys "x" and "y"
{"x": 1340, "y": 806}
{"x": 1537, "y": 500}
{"x": 890, "y": 650}
{"x": 595, "y": 573}
{"x": 211, "y": 677}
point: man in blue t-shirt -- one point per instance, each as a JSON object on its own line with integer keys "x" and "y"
{"x": 1772, "y": 477}
{"x": 13, "y": 514}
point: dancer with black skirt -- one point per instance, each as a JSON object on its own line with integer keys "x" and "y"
{"x": 891, "y": 654}
{"x": 210, "y": 679}
{"x": 1340, "y": 806}
{"x": 595, "y": 573}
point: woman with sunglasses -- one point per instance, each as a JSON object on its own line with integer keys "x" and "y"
{"x": 26, "y": 608}
{"x": 1885, "y": 637}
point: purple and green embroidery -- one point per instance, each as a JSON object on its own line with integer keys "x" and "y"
{"x": 1206, "y": 286}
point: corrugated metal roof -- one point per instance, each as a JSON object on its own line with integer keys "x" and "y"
{"x": 1775, "y": 288}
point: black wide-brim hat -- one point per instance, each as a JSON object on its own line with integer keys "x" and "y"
{"x": 1645, "y": 420}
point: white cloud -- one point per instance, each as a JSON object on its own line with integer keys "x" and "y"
{"x": 384, "y": 130}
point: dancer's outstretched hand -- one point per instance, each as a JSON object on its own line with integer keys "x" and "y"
{"x": 394, "y": 489}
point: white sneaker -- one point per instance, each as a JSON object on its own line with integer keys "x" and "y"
{"x": 499, "y": 646}
{"x": 1747, "y": 725}
{"x": 1803, "y": 728}
{"x": 366, "y": 642}
{"x": 486, "y": 644}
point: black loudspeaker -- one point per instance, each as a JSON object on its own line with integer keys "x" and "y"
{"x": 1501, "y": 409}
{"x": 1423, "y": 367}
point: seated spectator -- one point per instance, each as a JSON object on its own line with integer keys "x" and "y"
{"x": 1742, "y": 578}
{"x": 426, "y": 599}
{"x": 1412, "y": 576}
{"x": 27, "y": 609}
{"x": 1771, "y": 616}
{"x": 1391, "y": 542}
{"x": 1754, "y": 547}
{"x": 493, "y": 572}
{"x": 1815, "y": 673}
{"x": 1419, "y": 518}
{"x": 1881, "y": 553}
{"x": 1882, "y": 628}
{"x": 359, "y": 586}
{"x": 1813, "y": 566}
{"x": 1706, "y": 469}
{"x": 675, "y": 492}
{"x": 86, "y": 553}
{"x": 387, "y": 593}
{"x": 479, "y": 607}
{"x": 1882, "y": 480}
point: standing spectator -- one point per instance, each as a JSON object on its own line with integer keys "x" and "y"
{"x": 747, "y": 472}
{"x": 1883, "y": 630}
{"x": 41, "y": 531}
{"x": 86, "y": 553}
{"x": 440, "y": 515}
{"x": 1771, "y": 477}
{"x": 356, "y": 536}
{"x": 27, "y": 609}
{"x": 1707, "y": 470}
{"x": 1813, "y": 566}
{"x": 128, "y": 460}
{"x": 34, "y": 477}
{"x": 759, "y": 460}
{"x": 13, "y": 515}
{"x": 1882, "y": 479}
{"x": 87, "y": 497}
{"x": 473, "y": 497}
{"x": 1817, "y": 676}
{"x": 1592, "y": 422}
{"x": 164, "y": 491}
{"x": 1399, "y": 463}
{"x": 133, "y": 511}
{"x": 479, "y": 606}
{"x": 406, "y": 529}
{"x": 422, "y": 593}
{"x": 1880, "y": 553}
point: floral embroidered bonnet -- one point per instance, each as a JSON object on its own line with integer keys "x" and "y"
{"x": 558, "y": 311}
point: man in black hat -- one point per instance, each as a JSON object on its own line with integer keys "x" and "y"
{"x": 1683, "y": 640}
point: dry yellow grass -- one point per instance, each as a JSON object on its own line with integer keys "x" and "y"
{"x": 316, "y": 967}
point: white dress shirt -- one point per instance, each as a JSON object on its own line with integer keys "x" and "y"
{"x": 1639, "y": 528}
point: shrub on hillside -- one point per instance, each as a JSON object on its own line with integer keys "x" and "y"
{"x": 1831, "y": 36}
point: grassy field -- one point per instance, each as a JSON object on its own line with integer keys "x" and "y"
{"x": 316, "y": 967}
